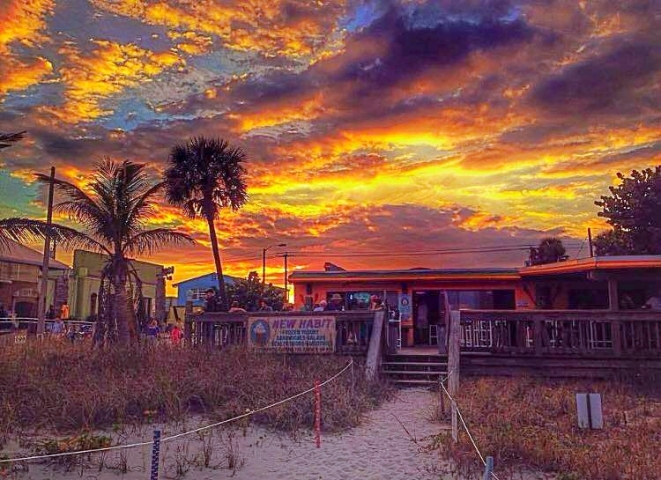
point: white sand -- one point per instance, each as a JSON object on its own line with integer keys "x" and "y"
{"x": 381, "y": 448}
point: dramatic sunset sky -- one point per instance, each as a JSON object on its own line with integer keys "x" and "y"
{"x": 394, "y": 127}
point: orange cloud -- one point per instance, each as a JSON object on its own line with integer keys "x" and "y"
{"x": 108, "y": 70}
{"x": 276, "y": 28}
{"x": 23, "y": 22}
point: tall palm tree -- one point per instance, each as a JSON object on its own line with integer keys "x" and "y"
{"x": 113, "y": 215}
{"x": 203, "y": 176}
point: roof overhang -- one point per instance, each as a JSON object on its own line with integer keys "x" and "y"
{"x": 405, "y": 276}
{"x": 584, "y": 265}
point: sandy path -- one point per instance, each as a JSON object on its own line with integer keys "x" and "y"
{"x": 378, "y": 449}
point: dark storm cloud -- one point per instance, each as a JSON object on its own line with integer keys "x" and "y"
{"x": 606, "y": 83}
{"x": 411, "y": 49}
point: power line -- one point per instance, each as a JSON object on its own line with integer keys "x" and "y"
{"x": 415, "y": 252}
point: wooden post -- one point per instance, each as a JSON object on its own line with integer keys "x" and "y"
{"x": 454, "y": 353}
{"x": 537, "y": 336}
{"x": 488, "y": 469}
{"x": 453, "y": 367}
{"x": 613, "y": 300}
{"x": 616, "y": 336}
{"x": 41, "y": 306}
{"x": 317, "y": 413}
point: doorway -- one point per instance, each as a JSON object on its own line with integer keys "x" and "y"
{"x": 428, "y": 313}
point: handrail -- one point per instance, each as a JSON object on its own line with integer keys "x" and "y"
{"x": 633, "y": 333}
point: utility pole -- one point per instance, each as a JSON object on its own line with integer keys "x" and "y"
{"x": 41, "y": 306}
{"x": 286, "y": 255}
{"x": 264, "y": 262}
{"x": 590, "y": 243}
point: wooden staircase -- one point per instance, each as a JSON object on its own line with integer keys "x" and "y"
{"x": 414, "y": 370}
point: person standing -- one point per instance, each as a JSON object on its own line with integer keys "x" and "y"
{"x": 175, "y": 335}
{"x": 236, "y": 308}
{"x": 335, "y": 304}
{"x": 211, "y": 303}
{"x": 264, "y": 307}
{"x": 64, "y": 311}
{"x": 152, "y": 331}
{"x": 58, "y": 327}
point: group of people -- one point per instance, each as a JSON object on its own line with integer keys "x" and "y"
{"x": 212, "y": 304}
{"x": 336, "y": 304}
{"x": 173, "y": 332}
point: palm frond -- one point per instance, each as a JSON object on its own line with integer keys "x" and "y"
{"x": 28, "y": 230}
{"x": 148, "y": 241}
{"x": 7, "y": 139}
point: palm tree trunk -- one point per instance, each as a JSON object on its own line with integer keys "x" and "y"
{"x": 219, "y": 267}
{"x": 121, "y": 303}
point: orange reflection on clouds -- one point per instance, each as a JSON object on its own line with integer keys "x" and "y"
{"x": 279, "y": 113}
{"x": 22, "y": 22}
{"x": 110, "y": 68}
{"x": 271, "y": 27}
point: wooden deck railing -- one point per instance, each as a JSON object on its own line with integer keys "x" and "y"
{"x": 631, "y": 333}
{"x": 352, "y": 329}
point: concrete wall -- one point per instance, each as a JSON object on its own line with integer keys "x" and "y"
{"x": 86, "y": 280}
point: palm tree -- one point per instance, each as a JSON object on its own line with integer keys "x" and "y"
{"x": 113, "y": 215}
{"x": 203, "y": 176}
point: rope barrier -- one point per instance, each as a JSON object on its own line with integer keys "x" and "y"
{"x": 179, "y": 435}
{"x": 463, "y": 422}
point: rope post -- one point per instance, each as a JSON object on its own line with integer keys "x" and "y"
{"x": 317, "y": 413}
{"x": 454, "y": 349}
{"x": 353, "y": 381}
{"x": 156, "y": 448}
{"x": 488, "y": 469}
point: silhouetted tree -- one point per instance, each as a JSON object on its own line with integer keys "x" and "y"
{"x": 549, "y": 250}
{"x": 113, "y": 211}
{"x": 248, "y": 292}
{"x": 634, "y": 211}
{"x": 203, "y": 176}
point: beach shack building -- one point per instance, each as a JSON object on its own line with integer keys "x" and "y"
{"x": 20, "y": 279}
{"x": 422, "y": 296}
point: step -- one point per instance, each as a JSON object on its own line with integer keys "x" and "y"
{"x": 412, "y": 372}
{"x": 414, "y": 382}
{"x": 416, "y": 364}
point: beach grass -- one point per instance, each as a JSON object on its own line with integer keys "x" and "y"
{"x": 63, "y": 388}
{"x": 531, "y": 425}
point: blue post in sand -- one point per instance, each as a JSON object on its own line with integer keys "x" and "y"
{"x": 156, "y": 448}
{"x": 488, "y": 469}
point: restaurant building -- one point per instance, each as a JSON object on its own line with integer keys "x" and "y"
{"x": 420, "y": 297}
{"x": 20, "y": 279}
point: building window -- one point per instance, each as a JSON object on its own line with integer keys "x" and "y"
{"x": 196, "y": 294}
